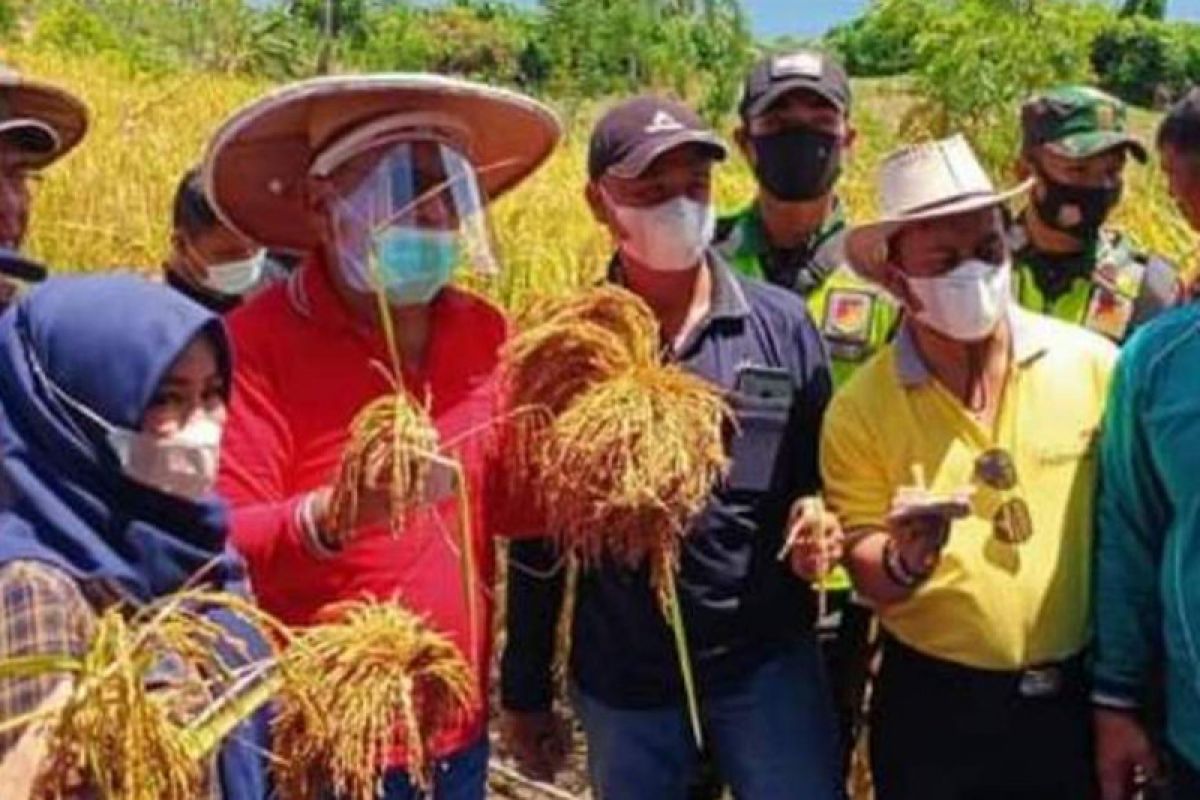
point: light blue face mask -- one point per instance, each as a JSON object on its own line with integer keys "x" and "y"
{"x": 414, "y": 264}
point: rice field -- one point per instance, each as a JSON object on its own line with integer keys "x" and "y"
{"x": 108, "y": 204}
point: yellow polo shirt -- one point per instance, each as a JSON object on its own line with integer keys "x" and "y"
{"x": 989, "y": 604}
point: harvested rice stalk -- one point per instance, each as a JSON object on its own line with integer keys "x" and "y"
{"x": 391, "y": 442}
{"x": 395, "y": 446}
{"x": 569, "y": 346}
{"x": 632, "y": 462}
{"x": 122, "y": 729}
{"x": 626, "y": 451}
{"x": 354, "y": 688}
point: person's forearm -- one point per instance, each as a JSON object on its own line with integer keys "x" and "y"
{"x": 535, "y": 592}
{"x": 872, "y": 577}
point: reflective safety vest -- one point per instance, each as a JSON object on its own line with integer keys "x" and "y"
{"x": 1112, "y": 299}
{"x": 856, "y": 318}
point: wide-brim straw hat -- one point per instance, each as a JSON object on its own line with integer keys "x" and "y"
{"x": 920, "y": 182}
{"x": 44, "y": 121}
{"x": 256, "y": 164}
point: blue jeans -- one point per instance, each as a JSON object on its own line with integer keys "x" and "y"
{"x": 462, "y": 776}
{"x": 772, "y": 733}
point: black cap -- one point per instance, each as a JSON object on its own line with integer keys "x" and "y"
{"x": 18, "y": 266}
{"x": 632, "y": 134}
{"x": 776, "y": 75}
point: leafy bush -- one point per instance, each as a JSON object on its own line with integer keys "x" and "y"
{"x": 1143, "y": 60}
{"x": 981, "y": 58}
{"x": 880, "y": 42}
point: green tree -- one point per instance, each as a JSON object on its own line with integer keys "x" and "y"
{"x": 980, "y": 60}
{"x": 1153, "y": 9}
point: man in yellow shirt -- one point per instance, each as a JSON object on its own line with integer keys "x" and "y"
{"x": 961, "y": 462}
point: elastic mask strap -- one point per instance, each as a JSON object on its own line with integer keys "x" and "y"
{"x": 63, "y": 396}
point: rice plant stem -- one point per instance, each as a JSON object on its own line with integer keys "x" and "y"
{"x": 685, "y": 658}
{"x": 467, "y": 555}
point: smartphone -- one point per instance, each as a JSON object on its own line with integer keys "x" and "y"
{"x": 442, "y": 481}
{"x": 910, "y": 504}
{"x": 764, "y": 383}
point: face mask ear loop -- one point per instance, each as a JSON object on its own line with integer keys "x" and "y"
{"x": 51, "y": 389}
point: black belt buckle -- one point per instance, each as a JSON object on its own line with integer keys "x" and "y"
{"x": 1038, "y": 682}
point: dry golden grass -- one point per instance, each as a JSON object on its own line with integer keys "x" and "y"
{"x": 108, "y": 204}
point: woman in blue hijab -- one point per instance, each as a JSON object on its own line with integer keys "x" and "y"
{"x": 112, "y": 399}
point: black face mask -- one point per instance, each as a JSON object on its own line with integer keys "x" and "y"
{"x": 1075, "y": 210}
{"x": 797, "y": 163}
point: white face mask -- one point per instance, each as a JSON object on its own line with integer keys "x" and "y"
{"x": 966, "y": 303}
{"x": 236, "y": 277}
{"x": 670, "y": 236}
{"x": 183, "y": 464}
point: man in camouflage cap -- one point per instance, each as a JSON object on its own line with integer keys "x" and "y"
{"x": 1067, "y": 263}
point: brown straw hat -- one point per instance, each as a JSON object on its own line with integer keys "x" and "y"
{"x": 257, "y": 162}
{"x": 42, "y": 121}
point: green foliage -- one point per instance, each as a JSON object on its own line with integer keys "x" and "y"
{"x": 1153, "y": 9}
{"x": 602, "y": 47}
{"x": 977, "y": 61}
{"x": 1145, "y": 60}
{"x": 880, "y": 42}
{"x": 224, "y": 36}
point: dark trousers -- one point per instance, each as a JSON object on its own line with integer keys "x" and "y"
{"x": 1185, "y": 779}
{"x": 942, "y": 731}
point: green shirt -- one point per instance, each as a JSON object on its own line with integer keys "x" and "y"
{"x": 1112, "y": 287}
{"x": 856, "y": 318}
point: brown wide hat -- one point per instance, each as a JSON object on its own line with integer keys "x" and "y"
{"x": 43, "y": 121}
{"x": 256, "y": 163}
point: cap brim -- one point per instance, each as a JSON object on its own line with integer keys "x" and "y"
{"x": 778, "y": 90}
{"x": 866, "y": 245}
{"x": 641, "y": 157}
{"x": 53, "y": 109}
{"x": 16, "y": 265}
{"x": 1086, "y": 145}
{"x": 256, "y": 164}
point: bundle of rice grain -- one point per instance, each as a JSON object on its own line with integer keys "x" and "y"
{"x": 123, "y": 730}
{"x": 391, "y": 443}
{"x": 353, "y": 688}
{"x": 625, "y": 450}
{"x": 631, "y": 462}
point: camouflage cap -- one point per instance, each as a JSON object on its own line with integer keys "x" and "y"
{"x": 1077, "y": 122}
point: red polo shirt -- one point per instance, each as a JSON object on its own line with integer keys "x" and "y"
{"x": 303, "y": 370}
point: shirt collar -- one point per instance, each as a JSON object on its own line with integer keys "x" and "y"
{"x": 1029, "y": 341}
{"x": 728, "y": 299}
{"x": 754, "y": 236}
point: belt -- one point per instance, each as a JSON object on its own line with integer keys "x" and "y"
{"x": 1038, "y": 681}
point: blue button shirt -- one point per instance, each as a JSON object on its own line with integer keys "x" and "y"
{"x": 740, "y": 605}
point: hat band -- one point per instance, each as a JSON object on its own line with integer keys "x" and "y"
{"x": 936, "y": 204}
{"x": 386, "y": 130}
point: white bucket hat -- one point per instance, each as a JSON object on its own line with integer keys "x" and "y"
{"x": 920, "y": 182}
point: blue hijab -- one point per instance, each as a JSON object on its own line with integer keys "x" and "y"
{"x": 106, "y": 343}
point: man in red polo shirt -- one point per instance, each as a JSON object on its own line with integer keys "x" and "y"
{"x": 383, "y": 180}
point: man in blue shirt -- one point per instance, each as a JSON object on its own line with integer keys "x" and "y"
{"x": 1148, "y": 516}
{"x": 749, "y": 616}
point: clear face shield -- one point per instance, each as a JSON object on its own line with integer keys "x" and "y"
{"x": 407, "y": 214}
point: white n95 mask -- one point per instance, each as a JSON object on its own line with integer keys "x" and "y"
{"x": 966, "y": 303}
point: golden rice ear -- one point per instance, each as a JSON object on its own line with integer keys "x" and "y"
{"x": 126, "y": 731}
{"x": 350, "y": 685}
{"x": 632, "y": 462}
{"x": 391, "y": 442}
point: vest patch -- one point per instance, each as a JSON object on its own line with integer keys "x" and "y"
{"x": 1109, "y": 312}
{"x": 847, "y": 323}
